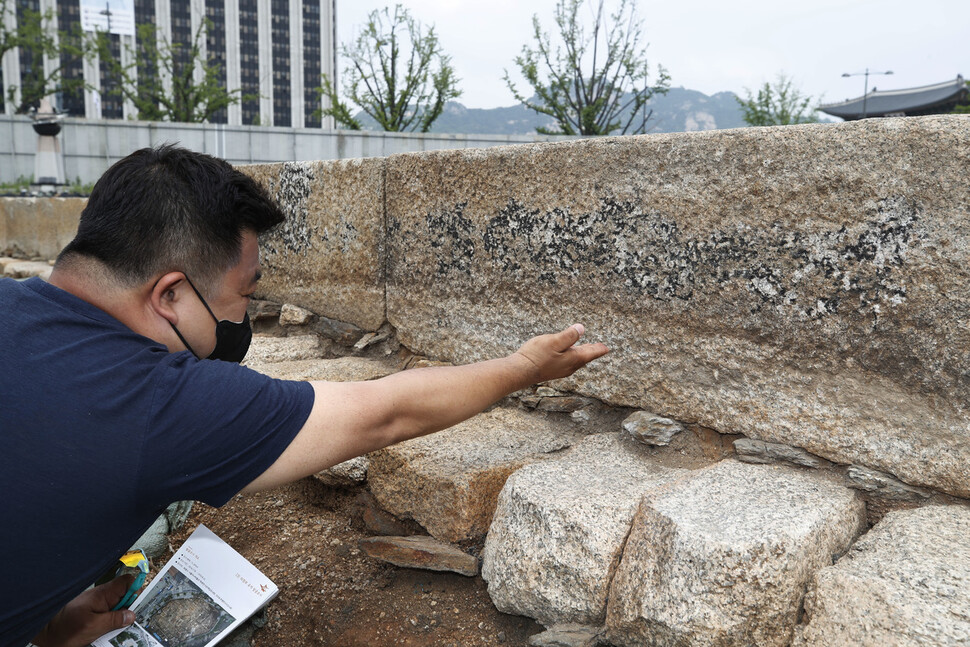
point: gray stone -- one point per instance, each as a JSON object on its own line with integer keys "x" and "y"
{"x": 339, "y": 331}
{"x": 420, "y": 552}
{"x": 906, "y": 582}
{"x": 723, "y": 557}
{"x": 449, "y": 482}
{"x": 875, "y": 482}
{"x": 559, "y": 528}
{"x": 328, "y": 255}
{"x": 341, "y": 369}
{"x": 805, "y": 285}
{"x": 350, "y": 472}
{"x": 260, "y": 310}
{"x": 291, "y": 315}
{"x": 567, "y": 635}
{"x": 752, "y": 450}
{"x": 651, "y": 429}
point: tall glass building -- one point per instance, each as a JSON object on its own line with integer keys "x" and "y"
{"x": 274, "y": 51}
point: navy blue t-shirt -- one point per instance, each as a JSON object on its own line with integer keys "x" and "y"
{"x": 100, "y": 430}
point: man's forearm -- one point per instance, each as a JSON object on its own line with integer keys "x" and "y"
{"x": 426, "y": 400}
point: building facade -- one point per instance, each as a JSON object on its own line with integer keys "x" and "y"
{"x": 273, "y": 51}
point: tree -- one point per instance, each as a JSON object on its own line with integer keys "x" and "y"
{"x": 777, "y": 104}
{"x": 156, "y": 61}
{"x": 606, "y": 92}
{"x": 37, "y": 40}
{"x": 398, "y": 95}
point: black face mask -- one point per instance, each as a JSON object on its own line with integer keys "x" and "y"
{"x": 232, "y": 337}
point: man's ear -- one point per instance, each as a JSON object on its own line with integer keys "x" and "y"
{"x": 165, "y": 294}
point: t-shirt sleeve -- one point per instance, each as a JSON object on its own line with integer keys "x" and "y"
{"x": 214, "y": 427}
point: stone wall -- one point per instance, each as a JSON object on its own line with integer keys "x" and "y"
{"x": 38, "y": 227}
{"x": 799, "y": 285}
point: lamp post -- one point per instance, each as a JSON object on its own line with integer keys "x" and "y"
{"x": 865, "y": 93}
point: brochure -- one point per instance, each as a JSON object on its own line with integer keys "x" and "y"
{"x": 205, "y": 591}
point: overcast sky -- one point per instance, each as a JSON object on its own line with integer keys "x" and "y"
{"x": 717, "y": 45}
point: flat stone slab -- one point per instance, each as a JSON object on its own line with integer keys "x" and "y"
{"x": 420, "y": 552}
{"x": 723, "y": 557}
{"x": 559, "y": 528}
{"x": 803, "y": 285}
{"x": 449, "y": 482}
{"x": 567, "y": 635}
{"x": 341, "y": 369}
{"x": 906, "y": 582}
{"x": 269, "y": 349}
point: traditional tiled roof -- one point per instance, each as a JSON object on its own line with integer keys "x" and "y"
{"x": 927, "y": 99}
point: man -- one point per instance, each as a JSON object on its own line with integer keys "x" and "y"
{"x": 113, "y": 405}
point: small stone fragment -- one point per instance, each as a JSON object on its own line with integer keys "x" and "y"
{"x": 420, "y": 552}
{"x": 582, "y": 416}
{"x": 377, "y": 520}
{"x": 339, "y": 331}
{"x": 875, "y": 482}
{"x": 564, "y": 403}
{"x": 291, "y": 315}
{"x": 263, "y": 310}
{"x": 350, "y": 472}
{"x": 752, "y": 450}
{"x": 651, "y": 429}
{"x": 567, "y": 635}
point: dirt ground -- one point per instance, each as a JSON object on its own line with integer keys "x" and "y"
{"x": 304, "y": 537}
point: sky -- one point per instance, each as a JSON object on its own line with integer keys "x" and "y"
{"x": 714, "y": 46}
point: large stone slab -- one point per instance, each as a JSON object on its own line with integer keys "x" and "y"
{"x": 328, "y": 257}
{"x": 801, "y": 285}
{"x": 559, "y": 528}
{"x": 906, "y": 582}
{"x": 723, "y": 557}
{"x": 340, "y": 369}
{"x": 449, "y": 482}
{"x": 39, "y": 226}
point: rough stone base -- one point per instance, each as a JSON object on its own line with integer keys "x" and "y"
{"x": 559, "y": 528}
{"x": 723, "y": 557}
{"x": 450, "y": 482}
{"x": 907, "y": 582}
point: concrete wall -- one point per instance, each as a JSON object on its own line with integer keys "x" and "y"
{"x": 91, "y": 146}
{"x": 803, "y": 285}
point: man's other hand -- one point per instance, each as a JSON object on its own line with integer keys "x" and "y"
{"x": 88, "y": 616}
{"x": 556, "y": 355}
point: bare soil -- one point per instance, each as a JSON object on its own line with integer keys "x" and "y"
{"x": 304, "y": 537}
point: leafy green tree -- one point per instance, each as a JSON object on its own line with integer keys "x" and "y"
{"x": 398, "y": 74}
{"x": 152, "y": 59}
{"x": 37, "y": 39}
{"x": 596, "y": 80}
{"x": 777, "y": 104}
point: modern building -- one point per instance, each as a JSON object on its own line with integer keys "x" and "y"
{"x": 936, "y": 99}
{"x": 274, "y": 51}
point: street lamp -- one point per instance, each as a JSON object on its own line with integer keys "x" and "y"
{"x": 865, "y": 94}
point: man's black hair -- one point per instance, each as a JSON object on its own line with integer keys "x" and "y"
{"x": 170, "y": 209}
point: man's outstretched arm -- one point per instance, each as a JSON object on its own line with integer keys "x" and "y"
{"x": 352, "y": 418}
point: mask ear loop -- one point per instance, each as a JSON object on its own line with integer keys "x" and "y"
{"x": 208, "y": 309}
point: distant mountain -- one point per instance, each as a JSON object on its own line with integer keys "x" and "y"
{"x": 680, "y": 110}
